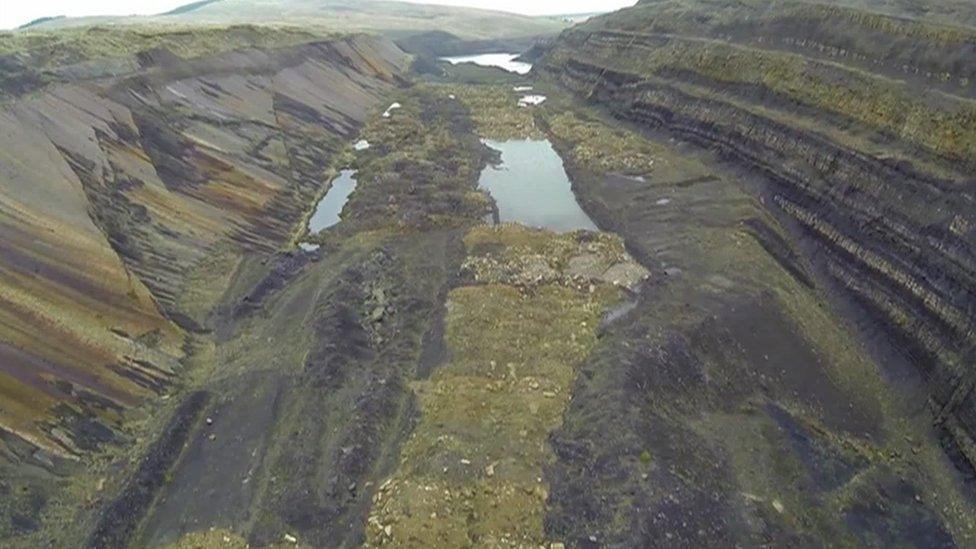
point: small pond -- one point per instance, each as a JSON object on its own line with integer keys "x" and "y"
{"x": 330, "y": 207}
{"x": 531, "y": 187}
{"x": 505, "y": 61}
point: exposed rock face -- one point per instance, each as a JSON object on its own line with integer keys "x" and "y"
{"x": 422, "y": 379}
{"x": 314, "y": 352}
{"x": 878, "y": 171}
{"x": 115, "y": 190}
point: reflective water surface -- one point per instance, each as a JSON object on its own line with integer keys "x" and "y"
{"x": 531, "y": 187}
{"x": 504, "y": 61}
{"x": 330, "y": 207}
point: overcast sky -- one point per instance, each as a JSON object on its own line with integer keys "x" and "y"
{"x": 18, "y": 12}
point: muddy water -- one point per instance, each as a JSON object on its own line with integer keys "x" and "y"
{"x": 329, "y": 209}
{"x": 504, "y": 61}
{"x": 531, "y": 187}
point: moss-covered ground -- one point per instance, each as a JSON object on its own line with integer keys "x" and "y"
{"x": 472, "y": 471}
{"x": 943, "y": 125}
{"x": 69, "y": 46}
{"x": 494, "y": 110}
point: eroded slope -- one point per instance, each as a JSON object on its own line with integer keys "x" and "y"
{"x": 734, "y": 403}
{"x": 126, "y": 201}
{"x": 863, "y": 142}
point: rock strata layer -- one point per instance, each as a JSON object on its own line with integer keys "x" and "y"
{"x": 863, "y": 144}
{"x": 122, "y": 195}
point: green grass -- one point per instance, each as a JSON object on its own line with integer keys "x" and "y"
{"x": 494, "y": 110}
{"x": 944, "y": 125}
{"x": 52, "y": 48}
{"x": 481, "y": 446}
{"x": 390, "y": 18}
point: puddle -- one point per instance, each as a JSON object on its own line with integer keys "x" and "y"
{"x": 330, "y": 208}
{"x": 504, "y": 61}
{"x": 531, "y": 187}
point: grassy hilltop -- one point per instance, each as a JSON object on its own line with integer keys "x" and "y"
{"x": 394, "y": 18}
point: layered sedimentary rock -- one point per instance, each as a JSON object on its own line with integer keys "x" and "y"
{"x": 863, "y": 128}
{"x": 117, "y": 188}
{"x": 306, "y": 398}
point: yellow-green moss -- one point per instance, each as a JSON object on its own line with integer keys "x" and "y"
{"x": 942, "y": 124}
{"x": 471, "y": 473}
{"x": 598, "y": 147}
{"x": 495, "y": 111}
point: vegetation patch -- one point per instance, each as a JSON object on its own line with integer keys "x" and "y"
{"x": 76, "y": 45}
{"x": 408, "y": 180}
{"x": 598, "y": 147}
{"x": 472, "y": 471}
{"x": 942, "y": 124}
{"x": 495, "y": 111}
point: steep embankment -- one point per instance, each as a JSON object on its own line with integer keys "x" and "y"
{"x": 120, "y": 192}
{"x": 727, "y": 405}
{"x": 863, "y": 127}
{"x": 311, "y": 398}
